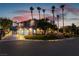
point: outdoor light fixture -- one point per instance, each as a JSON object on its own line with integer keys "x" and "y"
{"x": 30, "y": 30}
{"x": 26, "y": 31}
{"x": 20, "y": 31}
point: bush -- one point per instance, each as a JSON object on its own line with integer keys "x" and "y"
{"x": 40, "y": 37}
{"x": 48, "y": 36}
{"x": 67, "y": 35}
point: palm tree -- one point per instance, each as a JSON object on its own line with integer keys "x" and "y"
{"x": 31, "y": 9}
{"x": 38, "y": 8}
{"x": 53, "y": 10}
{"x": 62, "y": 8}
{"x": 58, "y": 22}
{"x": 44, "y": 13}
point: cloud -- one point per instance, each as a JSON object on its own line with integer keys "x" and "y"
{"x": 21, "y": 12}
{"x": 20, "y": 18}
{"x": 70, "y": 13}
{"x": 72, "y": 9}
{"x": 26, "y": 15}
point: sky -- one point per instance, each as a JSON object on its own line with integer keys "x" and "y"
{"x": 20, "y": 11}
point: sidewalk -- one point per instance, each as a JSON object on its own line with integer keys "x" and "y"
{"x": 7, "y": 35}
{"x": 11, "y": 36}
{"x": 20, "y": 37}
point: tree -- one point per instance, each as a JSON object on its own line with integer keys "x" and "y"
{"x": 74, "y": 28}
{"x": 32, "y": 21}
{"x": 5, "y": 23}
{"x": 38, "y": 8}
{"x": 53, "y": 10}
{"x": 44, "y": 25}
{"x": 31, "y": 9}
{"x": 44, "y": 14}
{"x": 62, "y": 8}
{"x": 58, "y": 22}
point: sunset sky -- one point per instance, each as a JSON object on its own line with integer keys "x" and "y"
{"x": 21, "y": 12}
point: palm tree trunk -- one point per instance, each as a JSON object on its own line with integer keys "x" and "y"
{"x": 53, "y": 18}
{"x": 44, "y": 17}
{"x": 58, "y": 24}
{"x": 31, "y": 20}
{"x": 63, "y": 19}
{"x": 39, "y": 14}
{"x": 32, "y": 14}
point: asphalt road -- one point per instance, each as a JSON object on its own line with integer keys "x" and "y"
{"x": 13, "y": 47}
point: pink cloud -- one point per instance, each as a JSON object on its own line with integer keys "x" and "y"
{"x": 21, "y": 12}
{"x": 27, "y": 16}
{"x": 51, "y": 18}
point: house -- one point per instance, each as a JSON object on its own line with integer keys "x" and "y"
{"x": 29, "y": 27}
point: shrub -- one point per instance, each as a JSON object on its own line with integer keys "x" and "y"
{"x": 40, "y": 37}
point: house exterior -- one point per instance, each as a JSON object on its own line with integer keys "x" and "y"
{"x": 29, "y": 28}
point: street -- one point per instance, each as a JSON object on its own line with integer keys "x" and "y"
{"x": 11, "y": 46}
